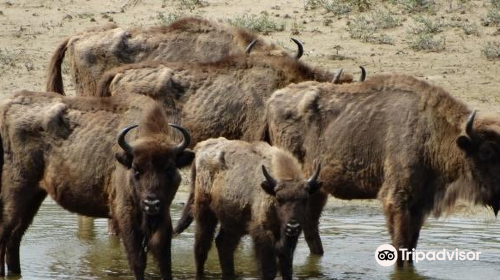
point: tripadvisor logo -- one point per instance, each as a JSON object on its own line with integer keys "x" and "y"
{"x": 386, "y": 255}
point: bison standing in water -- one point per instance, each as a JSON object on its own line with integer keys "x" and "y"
{"x": 66, "y": 147}
{"x": 395, "y": 138}
{"x": 96, "y": 50}
{"x": 231, "y": 185}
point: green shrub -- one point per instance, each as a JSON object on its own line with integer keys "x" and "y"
{"x": 257, "y": 23}
{"x": 492, "y": 50}
{"x": 426, "y": 42}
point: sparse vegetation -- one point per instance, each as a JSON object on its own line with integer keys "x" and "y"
{"x": 422, "y": 37}
{"x": 427, "y": 25}
{"x": 167, "y": 19}
{"x": 426, "y": 42}
{"x": 296, "y": 28}
{"x": 364, "y": 30}
{"x": 258, "y": 23}
{"x": 492, "y": 50}
{"x": 417, "y": 6}
{"x": 470, "y": 29}
{"x": 6, "y": 58}
{"x": 336, "y": 7}
{"x": 190, "y": 5}
{"x": 492, "y": 18}
{"x": 385, "y": 19}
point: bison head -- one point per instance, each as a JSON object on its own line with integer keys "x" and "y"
{"x": 153, "y": 168}
{"x": 481, "y": 145}
{"x": 291, "y": 198}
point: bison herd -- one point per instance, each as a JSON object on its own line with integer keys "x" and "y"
{"x": 267, "y": 137}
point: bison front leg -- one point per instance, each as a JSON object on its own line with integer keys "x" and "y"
{"x": 265, "y": 253}
{"x": 133, "y": 242}
{"x": 160, "y": 246}
{"x": 311, "y": 226}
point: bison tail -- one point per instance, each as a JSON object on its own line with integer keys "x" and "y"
{"x": 1, "y": 167}
{"x": 187, "y": 214}
{"x": 54, "y": 77}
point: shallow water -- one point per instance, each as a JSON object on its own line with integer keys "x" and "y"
{"x": 61, "y": 245}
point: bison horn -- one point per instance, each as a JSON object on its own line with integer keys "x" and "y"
{"x": 315, "y": 175}
{"x": 121, "y": 139}
{"x": 363, "y": 73}
{"x": 470, "y": 123}
{"x": 300, "y": 50}
{"x": 250, "y": 46}
{"x": 187, "y": 137}
{"x": 336, "y": 78}
{"x": 268, "y": 176}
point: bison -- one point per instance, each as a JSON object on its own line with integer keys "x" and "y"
{"x": 224, "y": 98}
{"x": 66, "y": 147}
{"x": 231, "y": 185}
{"x": 395, "y": 138}
{"x": 95, "y": 50}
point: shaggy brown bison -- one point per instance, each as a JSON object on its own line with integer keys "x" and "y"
{"x": 96, "y": 50}
{"x": 224, "y": 98}
{"x": 232, "y": 185}
{"x": 66, "y": 147}
{"x": 395, "y": 138}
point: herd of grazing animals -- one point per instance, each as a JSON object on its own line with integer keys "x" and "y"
{"x": 391, "y": 137}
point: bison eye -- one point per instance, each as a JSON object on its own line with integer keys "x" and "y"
{"x": 486, "y": 152}
{"x": 137, "y": 173}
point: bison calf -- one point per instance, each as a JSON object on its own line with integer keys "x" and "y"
{"x": 232, "y": 185}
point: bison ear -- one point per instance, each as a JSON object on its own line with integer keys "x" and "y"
{"x": 314, "y": 187}
{"x": 184, "y": 158}
{"x": 465, "y": 144}
{"x": 268, "y": 188}
{"x": 125, "y": 159}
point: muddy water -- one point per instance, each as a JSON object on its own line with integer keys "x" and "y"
{"x": 60, "y": 245}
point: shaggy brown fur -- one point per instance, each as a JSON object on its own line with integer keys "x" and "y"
{"x": 94, "y": 51}
{"x": 229, "y": 187}
{"x": 224, "y": 98}
{"x": 65, "y": 147}
{"x": 394, "y": 138}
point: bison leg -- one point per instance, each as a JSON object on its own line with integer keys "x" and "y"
{"x": 21, "y": 202}
{"x": 160, "y": 244}
{"x": 404, "y": 226}
{"x": 265, "y": 253}
{"x": 206, "y": 223}
{"x": 112, "y": 227}
{"x": 311, "y": 226}
{"x": 133, "y": 242}
{"x": 14, "y": 243}
{"x": 227, "y": 241}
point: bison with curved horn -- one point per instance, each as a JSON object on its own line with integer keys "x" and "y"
{"x": 393, "y": 137}
{"x": 190, "y": 39}
{"x": 249, "y": 188}
{"x": 224, "y": 98}
{"x": 67, "y": 148}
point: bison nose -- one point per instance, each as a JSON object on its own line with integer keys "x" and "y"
{"x": 292, "y": 228}
{"x": 151, "y": 206}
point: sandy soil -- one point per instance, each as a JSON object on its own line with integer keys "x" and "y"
{"x": 31, "y": 30}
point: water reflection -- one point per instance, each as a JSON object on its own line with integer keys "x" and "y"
{"x": 61, "y": 245}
